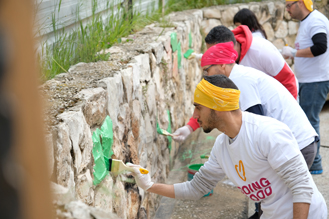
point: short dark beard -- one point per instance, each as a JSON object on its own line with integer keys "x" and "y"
{"x": 212, "y": 119}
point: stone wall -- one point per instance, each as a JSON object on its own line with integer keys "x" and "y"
{"x": 139, "y": 84}
{"x": 279, "y": 27}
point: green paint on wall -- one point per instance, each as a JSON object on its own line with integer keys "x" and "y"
{"x": 173, "y": 41}
{"x": 102, "y": 150}
{"x": 107, "y": 139}
{"x": 158, "y": 128}
{"x": 188, "y": 53}
{"x": 100, "y": 170}
{"x": 190, "y": 40}
{"x": 179, "y": 55}
{"x": 169, "y": 130}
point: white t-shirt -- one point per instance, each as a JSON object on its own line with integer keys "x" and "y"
{"x": 257, "y": 33}
{"x": 313, "y": 69}
{"x": 258, "y": 57}
{"x": 259, "y": 88}
{"x": 262, "y": 145}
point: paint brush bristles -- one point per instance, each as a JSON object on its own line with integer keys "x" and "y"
{"x": 117, "y": 167}
{"x": 165, "y": 132}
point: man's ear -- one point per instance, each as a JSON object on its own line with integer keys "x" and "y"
{"x": 222, "y": 66}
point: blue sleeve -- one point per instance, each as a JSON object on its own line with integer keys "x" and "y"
{"x": 256, "y": 109}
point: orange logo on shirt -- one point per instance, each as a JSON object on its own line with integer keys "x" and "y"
{"x": 241, "y": 170}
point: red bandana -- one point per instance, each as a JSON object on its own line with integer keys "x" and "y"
{"x": 221, "y": 53}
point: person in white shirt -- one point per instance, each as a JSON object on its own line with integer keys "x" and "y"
{"x": 311, "y": 63}
{"x": 248, "y": 18}
{"x": 258, "y": 154}
{"x": 263, "y": 95}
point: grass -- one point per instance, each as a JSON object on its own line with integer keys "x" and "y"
{"x": 84, "y": 42}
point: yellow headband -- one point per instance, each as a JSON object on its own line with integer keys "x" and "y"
{"x": 216, "y": 98}
{"x": 308, "y": 4}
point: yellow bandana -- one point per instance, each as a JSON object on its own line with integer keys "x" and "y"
{"x": 216, "y": 98}
{"x": 308, "y": 4}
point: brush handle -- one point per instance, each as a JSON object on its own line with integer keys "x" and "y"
{"x": 143, "y": 171}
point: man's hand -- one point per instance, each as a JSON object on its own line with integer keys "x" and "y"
{"x": 195, "y": 56}
{"x": 181, "y": 134}
{"x": 288, "y": 52}
{"x": 142, "y": 180}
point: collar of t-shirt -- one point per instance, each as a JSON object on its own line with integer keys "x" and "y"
{"x": 307, "y": 16}
{"x": 231, "y": 140}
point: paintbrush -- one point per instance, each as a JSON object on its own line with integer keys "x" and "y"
{"x": 166, "y": 133}
{"x": 118, "y": 167}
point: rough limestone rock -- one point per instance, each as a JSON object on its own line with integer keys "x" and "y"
{"x": 256, "y": 9}
{"x": 207, "y": 25}
{"x": 228, "y": 14}
{"x": 127, "y": 79}
{"x": 114, "y": 90}
{"x": 287, "y": 15}
{"x": 212, "y": 12}
{"x": 80, "y": 138}
{"x": 158, "y": 50}
{"x": 290, "y": 40}
{"x": 133, "y": 203}
{"x": 269, "y": 31}
{"x": 293, "y": 27}
{"x": 61, "y": 194}
{"x": 84, "y": 189}
{"x": 144, "y": 67}
{"x": 243, "y": 6}
{"x": 63, "y": 159}
{"x": 79, "y": 210}
{"x": 271, "y": 8}
{"x": 278, "y": 43}
{"x": 166, "y": 42}
{"x": 94, "y": 105}
{"x": 120, "y": 198}
{"x": 50, "y": 153}
{"x": 282, "y": 30}
{"x": 104, "y": 195}
{"x": 150, "y": 92}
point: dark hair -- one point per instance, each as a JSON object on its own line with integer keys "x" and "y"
{"x": 220, "y": 34}
{"x": 221, "y": 81}
{"x": 248, "y": 18}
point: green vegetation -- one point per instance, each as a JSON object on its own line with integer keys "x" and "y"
{"x": 84, "y": 43}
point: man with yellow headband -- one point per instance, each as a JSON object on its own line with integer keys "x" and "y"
{"x": 311, "y": 63}
{"x": 257, "y": 153}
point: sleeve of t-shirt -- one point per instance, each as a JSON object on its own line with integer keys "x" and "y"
{"x": 249, "y": 95}
{"x": 203, "y": 181}
{"x": 256, "y": 109}
{"x": 277, "y": 144}
{"x": 319, "y": 44}
{"x": 271, "y": 60}
{"x": 317, "y": 26}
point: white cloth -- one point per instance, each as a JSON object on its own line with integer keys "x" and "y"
{"x": 250, "y": 162}
{"x": 313, "y": 69}
{"x": 264, "y": 56}
{"x": 257, "y": 33}
{"x": 259, "y": 88}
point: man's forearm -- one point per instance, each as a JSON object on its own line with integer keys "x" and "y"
{"x": 304, "y": 53}
{"x": 301, "y": 210}
{"x": 163, "y": 189}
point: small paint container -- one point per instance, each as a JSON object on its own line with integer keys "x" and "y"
{"x": 192, "y": 169}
